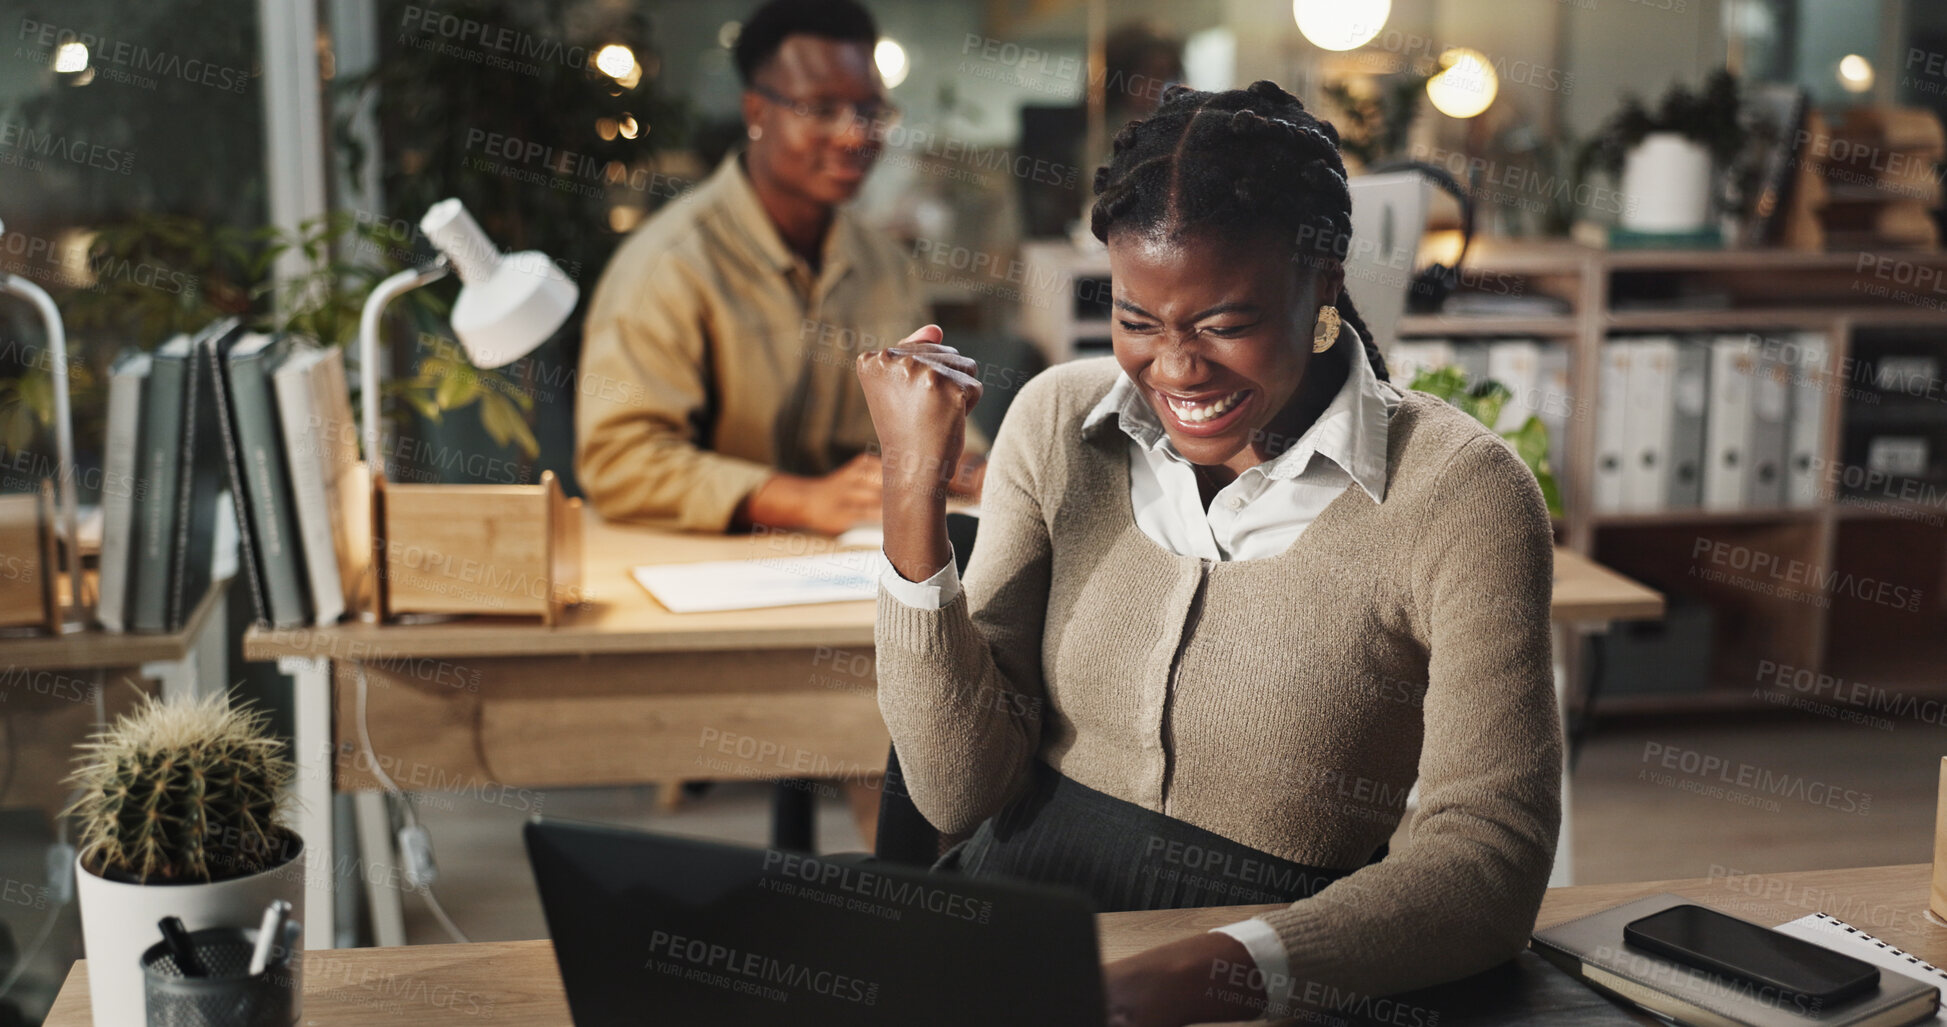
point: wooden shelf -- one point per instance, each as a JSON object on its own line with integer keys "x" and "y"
{"x": 1664, "y": 518}
{"x": 96, "y": 648}
{"x": 1750, "y": 259}
{"x": 1540, "y": 257}
{"x": 1749, "y": 318}
{"x": 1561, "y": 326}
{"x": 1543, "y": 257}
{"x": 1714, "y": 699}
{"x": 1861, "y": 508}
{"x": 1838, "y": 294}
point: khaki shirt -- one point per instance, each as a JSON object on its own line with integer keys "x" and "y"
{"x": 714, "y": 357}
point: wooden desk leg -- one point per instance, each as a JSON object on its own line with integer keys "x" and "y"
{"x": 311, "y": 718}
{"x": 183, "y": 679}
{"x": 378, "y": 861}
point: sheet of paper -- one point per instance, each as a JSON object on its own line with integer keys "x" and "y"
{"x": 868, "y": 535}
{"x": 834, "y": 577}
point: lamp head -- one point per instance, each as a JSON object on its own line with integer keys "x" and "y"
{"x": 508, "y": 304}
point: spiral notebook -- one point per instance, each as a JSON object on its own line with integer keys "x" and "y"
{"x": 1836, "y": 934}
{"x": 1592, "y": 950}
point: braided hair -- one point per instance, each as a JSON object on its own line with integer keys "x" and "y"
{"x": 1238, "y": 160}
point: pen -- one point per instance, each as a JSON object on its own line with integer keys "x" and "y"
{"x": 268, "y": 933}
{"x": 181, "y": 950}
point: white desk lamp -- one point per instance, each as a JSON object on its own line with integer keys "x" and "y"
{"x": 72, "y": 617}
{"x": 508, "y": 304}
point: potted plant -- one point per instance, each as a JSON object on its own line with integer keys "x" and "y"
{"x": 1664, "y": 159}
{"x": 1483, "y": 400}
{"x": 180, "y": 814}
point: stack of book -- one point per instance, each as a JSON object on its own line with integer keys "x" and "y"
{"x": 1725, "y": 422}
{"x": 1881, "y": 170}
{"x": 266, "y": 419}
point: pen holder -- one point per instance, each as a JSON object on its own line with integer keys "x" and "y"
{"x": 230, "y": 996}
{"x": 28, "y": 567}
{"x": 480, "y": 549}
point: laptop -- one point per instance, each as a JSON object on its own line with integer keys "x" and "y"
{"x": 656, "y": 929}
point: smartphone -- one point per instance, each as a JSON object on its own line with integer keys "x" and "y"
{"x": 1741, "y": 950}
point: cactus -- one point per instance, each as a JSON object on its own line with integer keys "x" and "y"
{"x": 182, "y": 792}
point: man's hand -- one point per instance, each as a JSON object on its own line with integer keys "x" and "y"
{"x": 827, "y": 505}
{"x": 1206, "y": 978}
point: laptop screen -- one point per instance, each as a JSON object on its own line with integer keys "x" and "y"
{"x": 651, "y": 929}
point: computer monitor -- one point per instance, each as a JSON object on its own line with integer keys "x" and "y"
{"x": 1388, "y": 217}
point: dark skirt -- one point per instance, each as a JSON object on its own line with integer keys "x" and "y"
{"x": 1123, "y": 856}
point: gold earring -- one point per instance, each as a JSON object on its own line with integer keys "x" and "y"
{"x": 1327, "y": 331}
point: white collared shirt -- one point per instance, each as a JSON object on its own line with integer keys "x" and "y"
{"x": 1257, "y": 515}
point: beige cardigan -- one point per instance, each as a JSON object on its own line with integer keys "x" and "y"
{"x": 1287, "y": 703}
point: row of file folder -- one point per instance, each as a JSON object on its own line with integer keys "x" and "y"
{"x": 1723, "y": 422}
{"x": 1710, "y": 422}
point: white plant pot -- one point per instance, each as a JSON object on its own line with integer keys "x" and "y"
{"x": 1666, "y": 185}
{"x": 118, "y": 924}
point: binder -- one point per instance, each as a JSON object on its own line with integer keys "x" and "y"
{"x": 1689, "y": 407}
{"x": 266, "y": 525}
{"x": 328, "y": 483}
{"x": 203, "y": 480}
{"x": 1807, "y": 432}
{"x": 1471, "y": 358}
{"x": 123, "y": 488}
{"x": 1770, "y": 409}
{"x": 1515, "y": 363}
{"x": 1411, "y": 357}
{"x": 1612, "y": 396}
{"x": 160, "y": 466}
{"x": 1646, "y": 424}
{"x": 1555, "y": 399}
{"x": 1727, "y": 427}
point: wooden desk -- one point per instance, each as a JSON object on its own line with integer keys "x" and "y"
{"x": 93, "y": 648}
{"x": 517, "y": 982}
{"x": 1587, "y": 592}
{"x": 622, "y": 691}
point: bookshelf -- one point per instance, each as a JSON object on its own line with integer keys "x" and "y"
{"x": 1891, "y": 539}
{"x": 1848, "y": 296}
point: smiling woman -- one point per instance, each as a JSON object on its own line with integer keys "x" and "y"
{"x": 1194, "y": 559}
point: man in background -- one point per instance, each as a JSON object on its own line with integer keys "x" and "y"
{"x": 730, "y": 321}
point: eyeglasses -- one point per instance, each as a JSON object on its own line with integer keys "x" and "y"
{"x": 830, "y": 117}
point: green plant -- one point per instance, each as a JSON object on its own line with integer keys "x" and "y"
{"x": 27, "y": 402}
{"x": 446, "y": 381}
{"x": 1373, "y": 126}
{"x": 209, "y": 271}
{"x": 180, "y": 792}
{"x": 1483, "y": 401}
{"x": 1709, "y": 116}
{"x": 535, "y": 152}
